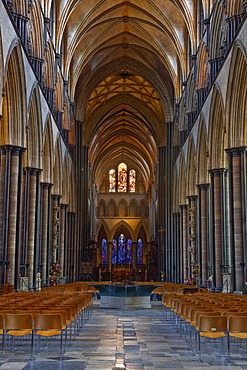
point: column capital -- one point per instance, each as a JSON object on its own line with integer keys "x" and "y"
{"x": 217, "y": 171}
{"x": 15, "y": 150}
{"x": 56, "y": 196}
{"x": 237, "y": 151}
{"x": 32, "y": 170}
{"x": 203, "y": 186}
{"x": 64, "y": 206}
{"x": 183, "y": 206}
{"x": 192, "y": 197}
{"x": 46, "y": 185}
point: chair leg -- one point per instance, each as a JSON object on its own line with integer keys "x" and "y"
{"x": 199, "y": 347}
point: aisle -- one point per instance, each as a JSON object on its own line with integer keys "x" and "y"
{"x": 131, "y": 340}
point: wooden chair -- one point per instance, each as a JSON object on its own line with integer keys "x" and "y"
{"x": 237, "y": 328}
{"x": 48, "y": 326}
{"x": 19, "y": 325}
{"x": 210, "y": 327}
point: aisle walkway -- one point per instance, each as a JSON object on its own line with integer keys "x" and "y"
{"x": 131, "y": 340}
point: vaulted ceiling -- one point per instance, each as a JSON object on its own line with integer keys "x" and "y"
{"x": 125, "y": 61}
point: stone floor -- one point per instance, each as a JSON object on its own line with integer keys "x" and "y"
{"x": 132, "y": 340}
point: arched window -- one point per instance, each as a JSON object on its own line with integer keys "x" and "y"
{"x": 104, "y": 251}
{"x": 132, "y": 181}
{"x": 139, "y": 252}
{"x": 122, "y": 180}
{"x": 129, "y": 252}
{"x": 114, "y": 251}
{"x": 112, "y": 181}
{"x": 122, "y": 252}
{"x": 121, "y": 249}
{"x": 122, "y": 177}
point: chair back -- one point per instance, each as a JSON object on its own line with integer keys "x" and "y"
{"x": 237, "y": 323}
{"x": 212, "y": 323}
{"x": 47, "y": 321}
{"x": 18, "y": 321}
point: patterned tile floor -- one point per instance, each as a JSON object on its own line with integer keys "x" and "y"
{"x": 127, "y": 339}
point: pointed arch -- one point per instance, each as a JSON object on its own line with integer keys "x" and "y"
{"x": 14, "y": 103}
{"x": 182, "y": 181}
{"x": 36, "y": 32}
{"x": 58, "y": 168}
{"x": 236, "y": 108}
{"x": 202, "y": 66}
{"x": 34, "y": 140}
{"x": 67, "y": 180}
{"x": 48, "y": 151}
{"x": 111, "y": 207}
{"x": 218, "y": 31}
{"x": 191, "y": 169}
{"x": 202, "y": 154}
{"x": 101, "y": 208}
{"x": 122, "y": 227}
{"x": 122, "y": 208}
{"x": 133, "y": 208}
{"x": 217, "y": 130}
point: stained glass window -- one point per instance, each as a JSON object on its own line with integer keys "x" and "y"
{"x": 121, "y": 249}
{"x": 112, "y": 181}
{"x": 139, "y": 252}
{"x": 132, "y": 181}
{"x": 104, "y": 251}
{"x": 129, "y": 252}
{"x": 122, "y": 177}
{"x": 114, "y": 251}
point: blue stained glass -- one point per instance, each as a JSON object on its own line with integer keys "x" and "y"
{"x": 139, "y": 252}
{"x": 104, "y": 252}
{"x": 129, "y": 252}
{"x": 114, "y": 252}
{"x": 121, "y": 249}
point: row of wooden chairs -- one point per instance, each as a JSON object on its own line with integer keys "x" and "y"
{"x": 42, "y": 314}
{"x": 209, "y": 316}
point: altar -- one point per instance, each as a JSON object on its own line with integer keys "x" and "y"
{"x": 125, "y": 296}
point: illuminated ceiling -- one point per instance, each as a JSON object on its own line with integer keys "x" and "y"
{"x": 126, "y": 61}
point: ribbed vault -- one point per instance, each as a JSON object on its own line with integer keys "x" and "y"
{"x": 127, "y": 61}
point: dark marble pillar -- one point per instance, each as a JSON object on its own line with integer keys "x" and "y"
{"x": 237, "y": 211}
{"x": 218, "y": 226}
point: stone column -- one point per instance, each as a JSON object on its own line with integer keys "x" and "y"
{"x": 55, "y": 227}
{"x": 218, "y": 223}
{"x": 238, "y": 232}
{"x": 184, "y": 240}
{"x": 45, "y": 230}
{"x": 203, "y": 230}
{"x": 193, "y": 245}
{"x": 10, "y": 204}
{"x": 176, "y": 256}
{"x": 161, "y": 213}
{"x": 63, "y": 233}
{"x": 32, "y": 175}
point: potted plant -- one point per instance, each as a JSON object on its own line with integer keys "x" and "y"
{"x": 244, "y": 289}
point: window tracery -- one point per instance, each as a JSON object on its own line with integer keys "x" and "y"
{"x": 122, "y": 180}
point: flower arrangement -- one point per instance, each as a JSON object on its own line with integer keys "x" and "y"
{"x": 56, "y": 208}
{"x": 188, "y": 281}
{"x": 192, "y": 209}
{"x": 244, "y": 289}
{"x": 192, "y": 236}
{"x": 54, "y": 272}
{"x": 55, "y": 220}
{"x": 196, "y": 270}
{"x": 122, "y": 277}
{"x": 192, "y": 224}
